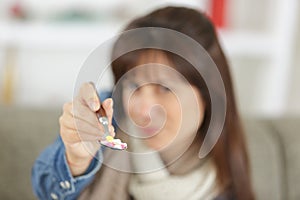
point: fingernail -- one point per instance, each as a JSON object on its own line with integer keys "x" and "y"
{"x": 93, "y": 105}
{"x": 110, "y": 102}
{"x": 111, "y": 129}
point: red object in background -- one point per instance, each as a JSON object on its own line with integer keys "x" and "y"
{"x": 17, "y": 11}
{"x": 218, "y": 12}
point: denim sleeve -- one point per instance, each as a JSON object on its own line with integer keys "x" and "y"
{"x": 51, "y": 177}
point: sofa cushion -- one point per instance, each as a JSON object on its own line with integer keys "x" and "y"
{"x": 288, "y": 130}
{"x": 273, "y": 148}
{"x": 23, "y": 133}
{"x": 266, "y": 157}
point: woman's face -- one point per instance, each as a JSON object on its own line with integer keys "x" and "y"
{"x": 163, "y": 106}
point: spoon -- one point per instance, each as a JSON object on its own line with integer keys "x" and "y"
{"x": 108, "y": 140}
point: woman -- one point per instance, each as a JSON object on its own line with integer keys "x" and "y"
{"x": 163, "y": 111}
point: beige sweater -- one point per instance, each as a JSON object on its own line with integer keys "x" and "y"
{"x": 113, "y": 184}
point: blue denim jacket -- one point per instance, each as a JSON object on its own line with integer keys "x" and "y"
{"x": 51, "y": 177}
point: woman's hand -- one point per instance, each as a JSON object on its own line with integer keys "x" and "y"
{"x": 80, "y": 129}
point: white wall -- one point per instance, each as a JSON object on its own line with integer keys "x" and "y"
{"x": 293, "y": 104}
{"x": 45, "y": 74}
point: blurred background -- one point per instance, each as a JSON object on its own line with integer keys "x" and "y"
{"x": 43, "y": 45}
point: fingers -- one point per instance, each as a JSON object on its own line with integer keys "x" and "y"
{"x": 88, "y": 96}
{"x": 79, "y": 123}
{"x": 80, "y": 111}
{"x": 80, "y": 126}
{"x": 107, "y": 105}
{"x": 74, "y": 131}
{"x": 84, "y": 117}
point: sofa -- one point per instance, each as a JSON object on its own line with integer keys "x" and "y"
{"x": 273, "y": 144}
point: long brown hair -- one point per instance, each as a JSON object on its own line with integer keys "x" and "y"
{"x": 229, "y": 154}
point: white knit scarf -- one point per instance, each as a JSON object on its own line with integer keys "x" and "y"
{"x": 160, "y": 185}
